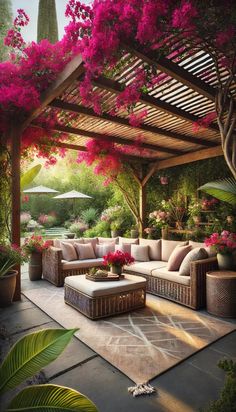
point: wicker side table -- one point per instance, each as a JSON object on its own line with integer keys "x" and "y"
{"x": 221, "y": 293}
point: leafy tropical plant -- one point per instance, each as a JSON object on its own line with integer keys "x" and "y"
{"x": 28, "y": 177}
{"x": 25, "y": 359}
{"x": 10, "y": 255}
{"x": 90, "y": 215}
{"x": 224, "y": 189}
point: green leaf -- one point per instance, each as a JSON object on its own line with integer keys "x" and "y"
{"x": 29, "y": 176}
{"x": 50, "y": 398}
{"x": 224, "y": 190}
{"x": 30, "y": 354}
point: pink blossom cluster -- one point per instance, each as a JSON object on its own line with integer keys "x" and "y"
{"x": 204, "y": 122}
{"x": 224, "y": 243}
{"x": 159, "y": 218}
{"x": 117, "y": 258}
{"x": 209, "y": 203}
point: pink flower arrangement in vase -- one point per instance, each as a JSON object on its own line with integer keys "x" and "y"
{"x": 116, "y": 261}
{"x": 224, "y": 244}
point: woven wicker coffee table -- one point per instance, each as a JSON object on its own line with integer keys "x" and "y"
{"x": 100, "y": 299}
{"x": 221, "y": 293}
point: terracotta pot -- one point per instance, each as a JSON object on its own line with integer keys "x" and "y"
{"x": 35, "y": 266}
{"x": 134, "y": 233}
{"x": 7, "y": 288}
{"x": 225, "y": 262}
{"x": 116, "y": 269}
{"x": 115, "y": 233}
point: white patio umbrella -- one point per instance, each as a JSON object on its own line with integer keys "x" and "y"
{"x": 40, "y": 190}
{"x": 73, "y": 194}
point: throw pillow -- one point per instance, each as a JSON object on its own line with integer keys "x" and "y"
{"x": 167, "y": 247}
{"x": 92, "y": 240}
{"x": 68, "y": 251}
{"x": 128, "y": 240}
{"x": 177, "y": 257}
{"x": 104, "y": 249}
{"x": 85, "y": 251}
{"x": 209, "y": 250}
{"x": 154, "y": 247}
{"x": 195, "y": 254}
{"x": 107, "y": 240}
{"x": 140, "y": 253}
{"x": 124, "y": 247}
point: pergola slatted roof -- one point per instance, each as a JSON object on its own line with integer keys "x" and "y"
{"x": 184, "y": 94}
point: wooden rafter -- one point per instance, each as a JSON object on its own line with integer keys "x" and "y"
{"x": 190, "y": 157}
{"x": 74, "y": 108}
{"x": 116, "y": 87}
{"x": 119, "y": 140}
{"x": 176, "y": 72}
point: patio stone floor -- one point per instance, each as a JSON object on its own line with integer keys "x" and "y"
{"x": 186, "y": 387}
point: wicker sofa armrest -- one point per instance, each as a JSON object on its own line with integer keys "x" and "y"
{"x": 52, "y": 266}
{"x": 198, "y": 270}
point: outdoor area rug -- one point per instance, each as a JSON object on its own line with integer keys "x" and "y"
{"x": 141, "y": 344}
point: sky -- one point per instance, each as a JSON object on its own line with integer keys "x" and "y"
{"x": 29, "y": 33}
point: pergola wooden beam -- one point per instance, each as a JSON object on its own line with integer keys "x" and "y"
{"x": 190, "y": 157}
{"x": 73, "y": 71}
{"x": 118, "y": 140}
{"x": 74, "y": 108}
{"x": 116, "y": 87}
{"x": 176, "y": 72}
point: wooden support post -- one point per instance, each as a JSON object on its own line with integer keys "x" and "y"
{"x": 142, "y": 209}
{"x": 15, "y": 195}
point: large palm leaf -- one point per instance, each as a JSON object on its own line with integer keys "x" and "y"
{"x": 32, "y": 353}
{"x": 224, "y": 189}
{"x": 28, "y": 177}
{"x": 50, "y": 398}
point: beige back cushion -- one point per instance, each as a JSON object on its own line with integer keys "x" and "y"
{"x": 210, "y": 252}
{"x": 177, "y": 257}
{"x": 85, "y": 251}
{"x": 167, "y": 247}
{"x": 124, "y": 247}
{"x": 197, "y": 253}
{"x": 68, "y": 251}
{"x": 128, "y": 240}
{"x": 104, "y": 249}
{"x": 92, "y": 240}
{"x": 140, "y": 253}
{"x": 154, "y": 248}
{"x": 108, "y": 240}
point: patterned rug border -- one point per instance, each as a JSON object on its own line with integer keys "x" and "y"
{"x": 202, "y": 315}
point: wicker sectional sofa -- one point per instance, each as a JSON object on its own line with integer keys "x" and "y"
{"x": 186, "y": 290}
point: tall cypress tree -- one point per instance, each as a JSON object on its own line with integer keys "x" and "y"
{"x": 5, "y": 24}
{"x": 47, "y": 21}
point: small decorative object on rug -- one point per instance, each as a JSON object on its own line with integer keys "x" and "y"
{"x": 34, "y": 247}
{"x": 141, "y": 389}
{"x": 10, "y": 255}
{"x": 116, "y": 261}
{"x": 224, "y": 244}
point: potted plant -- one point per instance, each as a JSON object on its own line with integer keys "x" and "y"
{"x": 115, "y": 228}
{"x": 10, "y": 256}
{"x": 134, "y": 233}
{"x": 225, "y": 246}
{"x": 194, "y": 211}
{"x": 160, "y": 220}
{"x": 116, "y": 261}
{"x": 34, "y": 247}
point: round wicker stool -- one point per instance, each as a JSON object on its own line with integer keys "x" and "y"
{"x": 221, "y": 293}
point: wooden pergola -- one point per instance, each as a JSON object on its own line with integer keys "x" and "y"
{"x": 185, "y": 93}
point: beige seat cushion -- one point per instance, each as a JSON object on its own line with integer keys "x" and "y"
{"x": 140, "y": 253}
{"x": 77, "y": 264}
{"x": 108, "y": 239}
{"x": 167, "y": 247}
{"x": 173, "y": 276}
{"x": 145, "y": 268}
{"x": 68, "y": 251}
{"x": 96, "y": 289}
{"x": 128, "y": 240}
{"x": 177, "y": 257}
{"x": 104, "y": 249}
{"x": 197, "y": 253}
{"x": 154, "y": 247}
{"x": 85, "y": 251}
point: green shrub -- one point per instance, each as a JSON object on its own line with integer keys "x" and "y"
{"x": 227, "y": 399}
{"x": 90, "y": 216}
{"x": 102, "y": 228}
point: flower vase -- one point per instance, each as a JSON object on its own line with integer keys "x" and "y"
{"x": 116, "y": 269}
{"x": 225, "y": 261}
{"x": 35, "y": 266}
